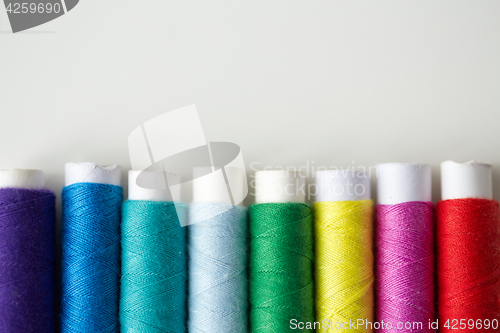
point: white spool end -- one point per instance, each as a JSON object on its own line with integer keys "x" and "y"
{"x": 403, "y": 182}
{"x": 472, "y": 179}
{"x": 88, "y": 172}
{"x": 211, "y": 186}
{"x": 342, "y": 185}
{"x": 279, "y": 186}
{"x": 161, "y": 193}
{"x": 22, "y": 178}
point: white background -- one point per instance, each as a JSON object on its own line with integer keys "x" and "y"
{"x": 334, "y": 83}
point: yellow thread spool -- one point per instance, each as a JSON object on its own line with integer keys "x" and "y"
{"x": 344, "y": 262}
{"x": 343, "y": 254}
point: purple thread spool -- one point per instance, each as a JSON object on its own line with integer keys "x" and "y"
{"x": 27, "y": 253}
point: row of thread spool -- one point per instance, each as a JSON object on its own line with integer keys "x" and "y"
{"x": 282, "y": 258}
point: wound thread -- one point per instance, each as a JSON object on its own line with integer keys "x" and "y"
{"x": 27, "y": 260}
{"x": 343, "y": 263}
{"x": 90, "y": 263}
{"x": 405, "y": 265}
{"x": 281, "y": 266}
{"x": 154, "y": 274}
{"x": 218, "y": 284}
{"x": 468, "y": 253}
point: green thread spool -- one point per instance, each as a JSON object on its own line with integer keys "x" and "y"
{"x": 281, "y": 258}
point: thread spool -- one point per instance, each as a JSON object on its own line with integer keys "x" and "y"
{"x": 219, "y": 186}
{"x": 342, "y": 185}
{"x": 218, "y": 287}
{"x": 27, "y": 245}
{"x": 90, "y": 262}
{"x": 22, "y": 178}
{"x": 343, "y": 225}
{"x": 154, "y": 272}
{"x": 137, "y": 192}
{"x": 279, "y": 186}
{"x": 468, "y": 234}
{"x": 466, "y": 180}
{"x": 405, "y": 253}
{"x": 281, "y": 254}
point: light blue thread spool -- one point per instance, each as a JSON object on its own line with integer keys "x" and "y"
{"x": 218, "y": 291}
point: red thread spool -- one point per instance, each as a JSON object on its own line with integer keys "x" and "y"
{"x": 468, "y": 252}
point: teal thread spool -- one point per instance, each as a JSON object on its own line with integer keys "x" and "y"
{"x": 154, "y": 274}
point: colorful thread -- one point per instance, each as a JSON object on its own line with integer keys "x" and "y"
{"x": 27, "y": 260}
{"x": 154, "y": 274}
{"x": 343, "y": 263}
{"x": 90, "y": 266}
{"x": 468, "y": 252}
{"x": 405, "y": 265}
{"x": 281, "y": 266}
{"x": 218, "y": 284}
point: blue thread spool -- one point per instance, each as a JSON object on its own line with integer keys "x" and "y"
{"x": 90, "y": 263}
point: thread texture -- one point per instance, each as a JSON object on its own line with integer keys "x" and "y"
{"x": 153, "y": 286}
{"x": 90, "y": 263}
{"x": 27, "y": 260}
{"x": 343, "y": 263}
{"x": 218, "y": 284}
{"x": 405, "y": 265}
{"x": 281, "y": 266}
{"x": 468, "y": 235}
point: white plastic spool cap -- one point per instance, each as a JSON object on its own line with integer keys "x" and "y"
{"x": 22, "y": 178}
{"x": 279, "y": 186}
{"x": 403, "y": 182}
{"x": 211, "y": 186}
{"x": 472, "y": 179}
{"x": 136, "y": 192}
{"x": 92, "y": 173}
{"x": 342, "y": 185}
